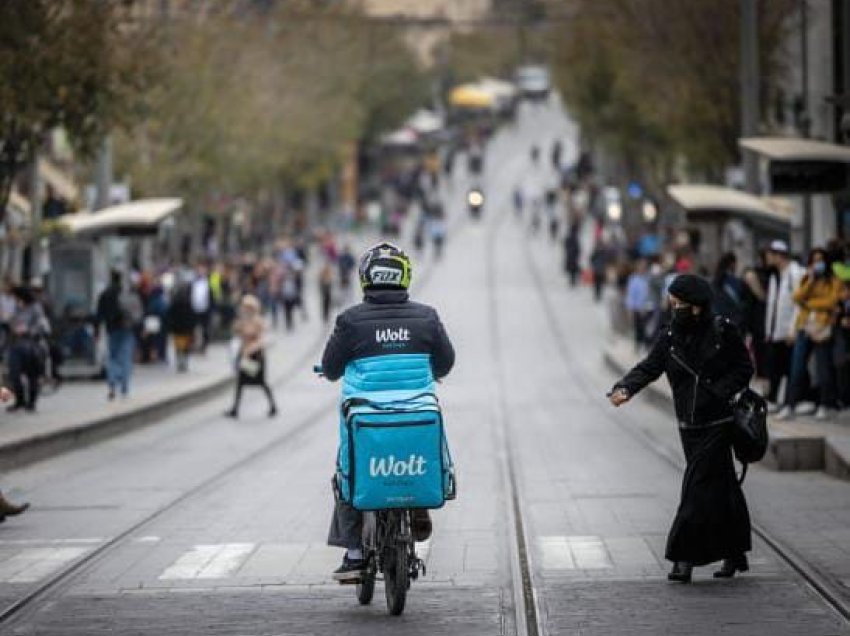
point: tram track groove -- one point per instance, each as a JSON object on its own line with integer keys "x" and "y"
{"x": 61, "y": 580}
{"x": 28, "y": 603}
{"x": 25, "y": 605}
{"x": 819, "y": 583}
{"x": 528, "y": 616}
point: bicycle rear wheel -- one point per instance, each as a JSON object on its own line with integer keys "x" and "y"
{"x": 366, "y": 587}
{"x": 396, "y": 579}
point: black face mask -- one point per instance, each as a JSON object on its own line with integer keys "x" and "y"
{"x": 684, "y": 317}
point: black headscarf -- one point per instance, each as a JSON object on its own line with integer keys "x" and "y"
{"x": 692, "y": 289}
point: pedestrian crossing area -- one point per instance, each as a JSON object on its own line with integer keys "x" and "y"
{"x": 30, "y": 565}
{"x": 28, "y": 562}
{"x": 209, "y": 562}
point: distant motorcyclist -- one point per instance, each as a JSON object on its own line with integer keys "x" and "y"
{"x": 385, "y": 274}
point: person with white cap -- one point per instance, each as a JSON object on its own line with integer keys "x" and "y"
{"x": 779, "y": 317}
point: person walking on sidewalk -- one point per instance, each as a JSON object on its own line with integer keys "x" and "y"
{"x": 251, "y": 361}
{"x": 120, "y": 310}
{"x": 290, "y": 295}
{"x": 326, "y": 284}
{"x": 638, "y": 302}
{"x": 181, "y": 324}
{"x": 202, "y": 303}
{"x": 7, "y": 508}
{"x": 25, "y": 360}
{"x": 779, "y": 317}
{"x": 729, "y": 290}
{"x": 707, "y": 363}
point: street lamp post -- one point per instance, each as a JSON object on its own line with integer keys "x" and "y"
{"x": 804, "y": 122}
{"x": 750, "y": 88}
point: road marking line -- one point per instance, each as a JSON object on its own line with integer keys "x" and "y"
{"x": 46, "y": 542}
{"x": 32, "y": 564}
{"x": 208, "y": 561}
{"x": 573, "y": 553}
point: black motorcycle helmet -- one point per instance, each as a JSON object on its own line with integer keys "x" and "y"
{"x": 385, "y": 266}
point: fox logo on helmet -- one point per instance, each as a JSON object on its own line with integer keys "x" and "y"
{"x": 382, "y": 275}
{"x": 385, "y": 265}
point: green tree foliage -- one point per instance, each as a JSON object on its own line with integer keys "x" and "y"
{"x": 250, "y": 101}
{"x": 490, "y": 51}
{"x": 652, "y": 80}
{"x": 79, "y": 64}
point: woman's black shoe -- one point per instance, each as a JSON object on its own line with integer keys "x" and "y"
{"x": 681, "y": 572}
{"x": 231, "y": 413}
{"x": 273, "y": 411}
{"x": 731, "y": 566}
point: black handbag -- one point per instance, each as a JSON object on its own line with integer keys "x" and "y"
{"x": 749, "y": 433}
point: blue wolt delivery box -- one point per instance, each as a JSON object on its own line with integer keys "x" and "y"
{"x": 394, "y": 455}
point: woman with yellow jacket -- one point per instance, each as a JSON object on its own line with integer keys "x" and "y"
{"x": 817, "y": 299}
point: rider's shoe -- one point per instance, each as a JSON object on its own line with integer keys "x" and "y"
{"x": 421, "y": 524}
{"x": 9, "y": 509}
{"x": 350, "y": 570}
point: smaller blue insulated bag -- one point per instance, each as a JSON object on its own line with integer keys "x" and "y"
{"x": 394, "y": 454}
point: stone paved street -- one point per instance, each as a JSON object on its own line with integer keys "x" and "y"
{"x": 244, "y": 554}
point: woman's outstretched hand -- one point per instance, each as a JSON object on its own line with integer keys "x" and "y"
{"x": 618, "y": 397}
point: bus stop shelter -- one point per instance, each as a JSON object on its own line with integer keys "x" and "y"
{"x": 808, "y": 168}
{"x": 89, "y": 246}
{"x": 725, "y": 219}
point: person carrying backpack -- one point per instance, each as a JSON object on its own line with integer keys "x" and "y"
{"x": 119, "y": 310}
{"x": 386, "y": 324}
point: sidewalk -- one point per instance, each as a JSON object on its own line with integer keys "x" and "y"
{"x": 801, "y": 444}
{"x": 79, "y": 413}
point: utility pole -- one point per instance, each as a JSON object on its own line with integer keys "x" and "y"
{"x": 36, "y": 201}
{"x": 103, "y": 174}
{"x": 845, "y": 46}
{"x": 522, "y": 34}
{"x": 805, "y": 119}
{"x": 750, "y": 89}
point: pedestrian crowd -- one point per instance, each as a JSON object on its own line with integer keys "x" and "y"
{"x": 166, "y": 314}
{"x": 793, "y": 313}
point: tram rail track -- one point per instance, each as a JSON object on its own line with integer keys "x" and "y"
{"x": 27, "y": 603}
{"x": 820, "y": 583}
{"x": 526, "y": 604}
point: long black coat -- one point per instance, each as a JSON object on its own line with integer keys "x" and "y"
{"x": 714, "y": 351}
{"x": 705, "y": 368}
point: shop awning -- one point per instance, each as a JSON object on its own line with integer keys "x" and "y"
{"x": 714, "y": 203}
{"x": 802, "y": 166}
{"x": 796, "y": 149}
{"x": 470, "y": 96}
{"x": 425, "y": 122}
{"x": 62, "y": 185}
{"x": 401, "y": 138}
{"x": 135, "y": 218}
{"x": 20, "y": 202}
{"x": 498, "y": 88}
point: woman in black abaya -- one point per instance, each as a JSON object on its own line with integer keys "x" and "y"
{"x": 706, "y": 363}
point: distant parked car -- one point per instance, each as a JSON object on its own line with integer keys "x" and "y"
{"x": 533, "y": 81}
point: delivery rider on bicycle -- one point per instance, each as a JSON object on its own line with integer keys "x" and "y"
{"x": 387, "y": 322}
